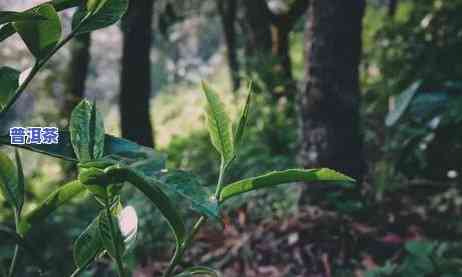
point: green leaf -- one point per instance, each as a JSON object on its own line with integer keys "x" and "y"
{"x": 150, "y": 188}
{"x": 88, "y": 245}
{"x": 199, "y": 270}
{"x": 97, "y": 14}
{"x": 92, "y": 6}
{"x": 98, "y": 182}
{"x": 282, "y": 177}
{"x": 420, "y": 248}
{"x": 87, "y": 131}
{"x": 9, "y": 82}
{"x": 384, "y": 271}
{"x": 128, "y": 153}
{"x": 218, "y": 125}
{"x": 243, "y": 119}
{"x": 41, "y": 36}
{"x": 56, "y": 199}
{"x": 9, "y": 183}
{"x": 8, "y": 17}
{"x": 7, "y": 30}
{"x": 61, "y": 150}
{"x": 402, "y": 102}
{"x": 110, "y": 235}
{"x": 187, "y": 185}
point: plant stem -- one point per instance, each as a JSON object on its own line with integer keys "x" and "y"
{"x": 220, "y": 178}
{"x": 14, "y": 261}
{"x": 77, "y": 272}
{"x": 174, "y": 261}
{"x": 179, "y": 252}
{"x": 16, "y": 247}
{"x": 36, "y": 68}
{"x": 118, "y": 258}
{"x": 80, "y": 269}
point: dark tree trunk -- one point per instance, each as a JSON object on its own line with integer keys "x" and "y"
{"x": 77, "y": 74}
{"x": 282, "y": 64}
{"x": 329, "y": 105}
{"x": 258, "y": 42}
{"x": 267, "y": 45}
{"x": 392, "y": 6}
{"x": 135, "y": 88}
{"x": 227, "y": 10}
{"x": 258, "y": 20}
{"x": 282, "y": 27}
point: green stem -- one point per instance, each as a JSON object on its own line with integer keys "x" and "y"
{"x": 77, "y": 272}
{"x": 179, "y": 252}
{"x": 14, "y": 261}
{"x": 220, "y": 178}
{"x": 37, "y": 66}
{"x": 174, "y": 261}
{"x": 118, "y": 258}
{"x": 80, "y": 269}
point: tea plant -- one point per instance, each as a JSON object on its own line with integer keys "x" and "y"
{"x": 107, "y": 164}
{"x": 424, "y": 258}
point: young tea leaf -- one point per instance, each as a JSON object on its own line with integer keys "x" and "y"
{"x": 9, "y": 186}
{"x": 56, "y": 199}
{"x": 9, "y": 82}
{"x": 43, "y": 35}
{"x": 219, "y": 125}
{"x": 282, "y": 177}
{"x": 88, "y": 245}
{"x": 87, "y": 131}
{"x": 243, "y": 119}
{"x": 97, "y": 14}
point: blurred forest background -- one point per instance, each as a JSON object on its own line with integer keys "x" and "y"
{"x": 370, "y": 88}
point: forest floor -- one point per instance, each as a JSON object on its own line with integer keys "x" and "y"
{"x": 318, "y": 243}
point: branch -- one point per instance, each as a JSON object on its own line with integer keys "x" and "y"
{"x": 392, "y": 6}
{"x": 296, "y": 10}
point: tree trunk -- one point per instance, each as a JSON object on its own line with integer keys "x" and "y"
{"x": 258, "y": 20}
{"x": 258, "y": 41}
{"x": 267, "y": 45}
{"x": 77, "y": 74}
{"x": 392, "y": 6}
{"x": 136, "y": 73}
{"x": 329, "y": 105}
{"x": 282, "y": 64}
{"x": 227, "y": 10}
